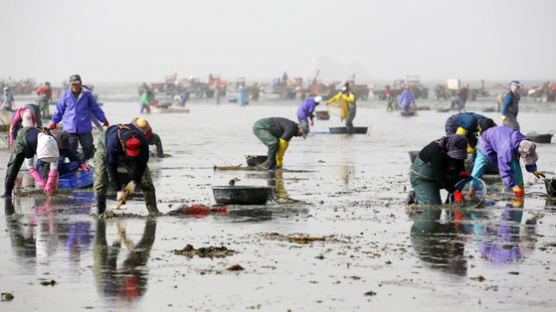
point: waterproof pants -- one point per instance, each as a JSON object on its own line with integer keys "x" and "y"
{"x": 101, "y": 175}
{"x": 43, "y": 106}
{"x": 351, "y": 115}
{"x": 155, "y": 140}
{"x": 426, "y": 189}
{"x": 511, "y": 122}
{"x": 265, "y": 130}
{"x": 481, "y": 161}
{"x": 86, "y": 140}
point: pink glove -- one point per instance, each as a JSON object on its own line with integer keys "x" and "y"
{"x": 312, "y": 123}
{"x": 11, "y": 139}
{"x": 37, "y": 177}
{"x": 50, "y": 185}
{"x": 85, "y": 167}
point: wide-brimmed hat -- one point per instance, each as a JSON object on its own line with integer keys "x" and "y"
{"x": 456, "y": 146}
{"x": 527, "y": 152}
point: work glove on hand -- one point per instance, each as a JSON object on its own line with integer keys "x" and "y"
{"x": 50, "y": 187}
{"x": 130, "y": 187}
{"x": 458, "y": 196}
{"x": 52, "y": 126}
{"x": 121, "y": 197}
{"x": 538, "y": 174}
{"x": 464, "y": 174}
{"x": 312, "y": 122}
{"x": 503, "y": 118}
{"x": 85, "y": 167}
{"x": 106, "y": 123}
{"x": 518, "y": 191}
{"x": 37, "y": 177}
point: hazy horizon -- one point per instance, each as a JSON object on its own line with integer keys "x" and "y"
{"x": 133, "y": 41}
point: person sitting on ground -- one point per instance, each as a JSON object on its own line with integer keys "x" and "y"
{"x": 466, "y": 124}
{"x": 64, "y": 147}
{"x": 438, "y": 166}
{"x": 307, "y": 108}
{"x": 123, "y": 146}
{"x": 29, "y": 142}
{"x": 275, "y": 133}
{"x": 502, "y": 147}
{"x": 27, "y": 116}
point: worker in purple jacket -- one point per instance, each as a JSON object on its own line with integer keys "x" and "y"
{"x": 74, "y": 109}
{"x": 502, "y": 147}
{"x": 307, "y": 108}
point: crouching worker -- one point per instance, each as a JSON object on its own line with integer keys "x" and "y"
{"x": 502, "y": 147}
{"x": 64, "y": 147}
{"x": 22, "y": 118}
{"x": 439, "y": 165}
{"x": 29, "y": 142}
{"x": 276, "y": 133}
{"x": 466, "y": 124}
{"x": 125, "y": 146}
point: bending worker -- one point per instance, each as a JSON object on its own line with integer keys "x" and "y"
{"x": 501, "y": 146}
{"x": 28, "y": 143}
{"x": 511, "y": 106}
{"x": 154, "y": 139}
{"x": 307, "y": 108}
{"x": 347, "y": 105}
{"x": 125, "y": 146}
{"x": 45, "y": 94}
{"x": 438, "y": 166}
{"x": 64, "y": 148}
{"x": 147, "y": 100}
{"x": 27, "y": 116}
{"x": 275, "y": 133}
{"x": 466, "y": 124}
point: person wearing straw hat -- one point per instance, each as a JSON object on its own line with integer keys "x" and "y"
{"x": 29, "y": 142}
{"x": 276, "y": 133}
{"x": 438, "y": 166}
{"x": 503, "y": 147}
{"x": 123, "y": 146}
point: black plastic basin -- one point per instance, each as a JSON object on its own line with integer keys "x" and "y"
{"x": 241, "y": 195}
{"x": 254, "y": 160}
{"x": 342, "y": 130}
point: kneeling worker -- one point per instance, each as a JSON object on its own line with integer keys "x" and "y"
{"x": 123, "y": 145}
{"x": 275, "y": 133}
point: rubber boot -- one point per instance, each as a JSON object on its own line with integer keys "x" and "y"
{"x": 150, "y": 201}
{"x": 8, "y": 188}
{"x": 101, "y": 204}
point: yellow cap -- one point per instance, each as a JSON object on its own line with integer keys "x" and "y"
{"x": 141, "y": 122}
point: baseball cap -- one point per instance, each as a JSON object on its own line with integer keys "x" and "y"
{"x": 132, "y": 144}
{"x": 527, "y": 152}
{"x": 516, "y": 82}
{"x": 75, "y": 79}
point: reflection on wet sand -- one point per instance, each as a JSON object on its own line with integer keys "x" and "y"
{"x": 129, "y": 280}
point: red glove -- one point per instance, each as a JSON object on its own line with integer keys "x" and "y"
{"x": 52, "y": 126}
{"x": 458, "y": 196}
{"x": 105, "y": 123}
{"x": 464, "y": 174}
{"x": 312, "y": 123}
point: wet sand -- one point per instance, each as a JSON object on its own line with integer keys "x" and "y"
{"x": 343, "y": 242}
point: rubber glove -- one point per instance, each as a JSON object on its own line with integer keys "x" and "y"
{"x": 503, "y": 118}
{"x": 538, "y": 174}
{"x": 11, "y": 139}
{"x": 312, "y": 122}
{"x": 464, "y": 174}
{"x": 518, "y": 191}
{"x": 106, "y": 123}
{"x": 458, "y": 196}
{"x": 121, "y": 197}
{"x": 52, "y": 126}
{"x": 130, "y": 187}
{"x": 51, "y": 184}
{"x": 37, "y": 177}
{"x": 282, "y": 147}
{"x": 85, "y": 167}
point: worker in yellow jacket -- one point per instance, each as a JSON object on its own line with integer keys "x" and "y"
{"x": 345, "y": 101}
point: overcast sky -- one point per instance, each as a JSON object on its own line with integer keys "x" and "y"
{"x": 110, "y": 41}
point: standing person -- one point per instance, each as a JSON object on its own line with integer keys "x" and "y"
{"x": 276, "y": 133}
{"x": 75, "y": 106}
{"x": 45, "y": 94}
{"x": 502, "y": 147}
{"x": 181, "y": 99}
{"x": 123, "y": 146}
{"x": 307, "y": 108}
{"x": 438, "y": 166}
{"x": 243, "y": 95}
{"x": 463, "y": 93}
{"x": 28, "y": 143}
{"x": 389, "y": 97}
{"x": 8, "y": 102}
{"x": 406, "y": 100}
{"x": 348, "y": 99}
{"x": 147, "y": 100}
{"x": 27, "y": 116}
{"x": 466, "y": 124}
{"x": 511, "y": 106}
{"x": 285, "y": 78}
